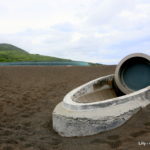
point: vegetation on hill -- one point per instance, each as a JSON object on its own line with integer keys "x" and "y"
{"x": 10, "y": 53}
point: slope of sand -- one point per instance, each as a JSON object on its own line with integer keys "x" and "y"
{"x": 28, "y": 96}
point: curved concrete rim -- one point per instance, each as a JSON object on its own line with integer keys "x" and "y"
{"x": 122, "y": 88}
{"x": 68, "y": 103}
{"x": 71, "y": 119}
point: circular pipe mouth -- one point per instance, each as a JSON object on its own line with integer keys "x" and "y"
{"x": 133, "y": 73}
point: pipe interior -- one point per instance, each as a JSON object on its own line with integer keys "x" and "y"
{"x": 135, "y": 73}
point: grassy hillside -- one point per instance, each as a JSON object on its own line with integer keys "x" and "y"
{"x": 10, "y": 53}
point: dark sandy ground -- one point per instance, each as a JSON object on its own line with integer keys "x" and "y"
{"x": 28, "y": 96}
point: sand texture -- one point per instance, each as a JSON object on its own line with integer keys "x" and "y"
{"x": 28, "y": 96}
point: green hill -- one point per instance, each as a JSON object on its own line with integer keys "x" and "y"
{"x": 10, "y": 53}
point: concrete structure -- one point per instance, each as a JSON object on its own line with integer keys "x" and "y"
{"x": 72, "y": 118}
{"x": 95, "y": 107}
{"x": 133, "y": 73}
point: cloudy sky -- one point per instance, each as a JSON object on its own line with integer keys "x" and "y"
{"x": 102, "y": 31}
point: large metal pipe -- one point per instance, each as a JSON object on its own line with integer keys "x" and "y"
{"x": 133, "y": 73}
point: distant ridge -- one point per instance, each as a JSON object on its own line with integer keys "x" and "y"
{"x": 9, "y": 47}
{"x": 11, "y": 53}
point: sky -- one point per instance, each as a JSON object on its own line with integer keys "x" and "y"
{"x": 99, "y": 31}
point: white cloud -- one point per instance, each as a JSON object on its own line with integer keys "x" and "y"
{"x": 101, "y": 31}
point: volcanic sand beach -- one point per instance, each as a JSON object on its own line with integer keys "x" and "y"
{"x": 28, "y": 95}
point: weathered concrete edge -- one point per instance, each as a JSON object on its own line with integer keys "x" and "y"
{"x": 88, "y": 87}
{"x": 70, "y": 126}
{"x": 83, "y": 122}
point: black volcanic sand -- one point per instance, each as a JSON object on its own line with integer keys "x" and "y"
{"x": 28, "y": 96}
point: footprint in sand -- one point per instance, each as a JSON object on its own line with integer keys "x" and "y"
{"x": 139, "y": 133}
{"x": 113, "y": 137}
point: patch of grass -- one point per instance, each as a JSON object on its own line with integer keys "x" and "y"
{"x": 10, "y": 53}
